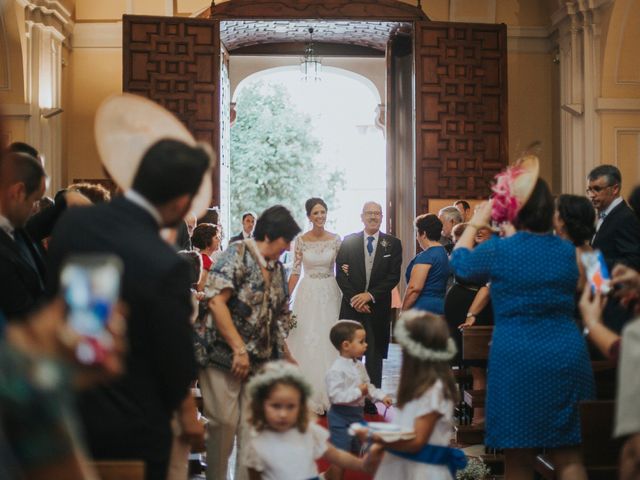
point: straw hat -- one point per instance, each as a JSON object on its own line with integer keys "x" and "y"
{"x": 513, "y": 187}
{"x": 126, "y": 126}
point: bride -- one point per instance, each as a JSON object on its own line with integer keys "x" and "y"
{"x": 316, "y": 301}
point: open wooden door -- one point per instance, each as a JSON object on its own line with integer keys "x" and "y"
{"x": 461, "y": 109}
{"x": 176, "y": 62}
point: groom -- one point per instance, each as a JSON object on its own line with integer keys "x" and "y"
{"x": 368, "y": 269}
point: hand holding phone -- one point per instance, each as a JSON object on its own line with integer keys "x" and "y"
{"x": 91, "y": 286}
{"x": 596, "y": 271}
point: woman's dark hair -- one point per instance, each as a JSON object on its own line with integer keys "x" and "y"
{"x": 312, "y": 202}
{"x": 634, "y": 200}
{"x": 578, "y": 216}
{"x": 430, "y": 225}
{"x": 258, "y": 418}
{"x": 276, "y": 222}
{"x": 536, "y": 215}
{"x": 417, "y": 376}
{"x": 203, "y": 235}
{"x": 195, "y": 262}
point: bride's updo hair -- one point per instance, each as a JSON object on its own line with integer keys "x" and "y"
{"x": 312, "y": 202}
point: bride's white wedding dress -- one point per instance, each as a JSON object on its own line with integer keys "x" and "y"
{"x": 316, "y": 304}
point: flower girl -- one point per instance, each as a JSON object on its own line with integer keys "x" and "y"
{"x": 284, "y": 443}
{"x": 425, "y": 400}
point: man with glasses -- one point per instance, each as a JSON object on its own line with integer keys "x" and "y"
{"x": 617, "y": 231}
{"x": 368, "y": 268}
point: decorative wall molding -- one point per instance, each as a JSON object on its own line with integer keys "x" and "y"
{"x": 529, "y": 39}
{"x": 16, "y": 110}
{"x": 572, "y": 7}
{"x": 619, "y": 133}
{"x": 97, "y": 35}
{"x": 604, "y": 105}
{"x": 50, "y": 15}
{"x": 5, "y": 68}
{"x": 48, "y": 27}
{"x": 578, "y": 24}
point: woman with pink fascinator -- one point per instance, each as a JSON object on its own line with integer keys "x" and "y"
{"x": 539, "y": 368}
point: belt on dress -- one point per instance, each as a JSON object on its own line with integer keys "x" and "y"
{"x": 473, "y": 288}
{"x": 453, "y": 458}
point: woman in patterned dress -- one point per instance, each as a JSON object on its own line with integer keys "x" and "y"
{"x": 249, "y": 321}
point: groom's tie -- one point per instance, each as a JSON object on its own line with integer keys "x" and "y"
{"x": 370, "y": 245}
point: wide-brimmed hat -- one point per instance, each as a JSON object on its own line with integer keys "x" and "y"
{"x": 513, "y": 187}
{"x": 126, "y": 126}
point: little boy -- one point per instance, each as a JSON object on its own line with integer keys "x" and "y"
{"x": 347, "y": 386}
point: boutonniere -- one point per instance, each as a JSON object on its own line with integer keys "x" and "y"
{"x": 384, "y": 243}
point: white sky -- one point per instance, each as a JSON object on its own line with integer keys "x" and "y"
{"x": 342, "y": 111}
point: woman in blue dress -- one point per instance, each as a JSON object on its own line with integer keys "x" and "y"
{"x": 539, "y": 369}
{"x": 428, "y": 272}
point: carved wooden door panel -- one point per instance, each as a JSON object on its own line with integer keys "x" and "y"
{"x": 461, "y": 109}
{"x": 176, "y": 62}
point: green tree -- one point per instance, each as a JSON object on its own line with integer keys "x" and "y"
{"x": 273, "y": 152}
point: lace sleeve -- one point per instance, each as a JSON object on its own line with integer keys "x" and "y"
{"x": 336, "y": 248}
{"x": 297, "y": 257}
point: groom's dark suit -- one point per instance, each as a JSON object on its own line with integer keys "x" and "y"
{"x": 385, "y": 274}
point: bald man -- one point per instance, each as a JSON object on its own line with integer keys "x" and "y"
{"x": 368, "y": 268}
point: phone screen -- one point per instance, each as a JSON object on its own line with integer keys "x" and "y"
{"x": 596, "y": 271}
{"x": 91, "y": 286}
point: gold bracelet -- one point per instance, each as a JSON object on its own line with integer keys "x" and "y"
{"x": 242, "y": 351}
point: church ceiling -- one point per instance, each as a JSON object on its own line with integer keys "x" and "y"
{"x": 239, "y": 34}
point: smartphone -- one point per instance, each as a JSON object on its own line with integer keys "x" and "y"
{"x": 596, "y": 271}
{"x": 91, "y": 286}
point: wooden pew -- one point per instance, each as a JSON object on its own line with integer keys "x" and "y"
{"x": 476, "y": 342}
{"x": 475, "y": 346}
{"x": 600, "y": 451}
{"x": 119, "y": 469}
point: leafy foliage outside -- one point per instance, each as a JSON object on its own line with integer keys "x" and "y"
{"x": 273, "y": 155}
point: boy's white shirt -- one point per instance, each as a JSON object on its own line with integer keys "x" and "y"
{"x": 343, "y": 381}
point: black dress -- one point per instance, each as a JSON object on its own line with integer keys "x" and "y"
{"x": 456, "y": 306}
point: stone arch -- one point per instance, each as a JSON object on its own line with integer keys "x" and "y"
{"x": 350, "y": 73}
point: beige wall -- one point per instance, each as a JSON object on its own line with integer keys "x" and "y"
{"x": 620, "y": 97}
{"x": 12, "y": 92}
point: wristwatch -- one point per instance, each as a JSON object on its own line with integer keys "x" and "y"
{"x": 469, "y": 314}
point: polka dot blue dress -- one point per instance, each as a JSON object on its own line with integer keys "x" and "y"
{"x": 539, "y": 368}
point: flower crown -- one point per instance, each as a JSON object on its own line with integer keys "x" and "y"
{"x": 274, "y": 372}
{"x": 415, "y": 348}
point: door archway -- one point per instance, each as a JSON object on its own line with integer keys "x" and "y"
{"x": 446, "y": 140}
